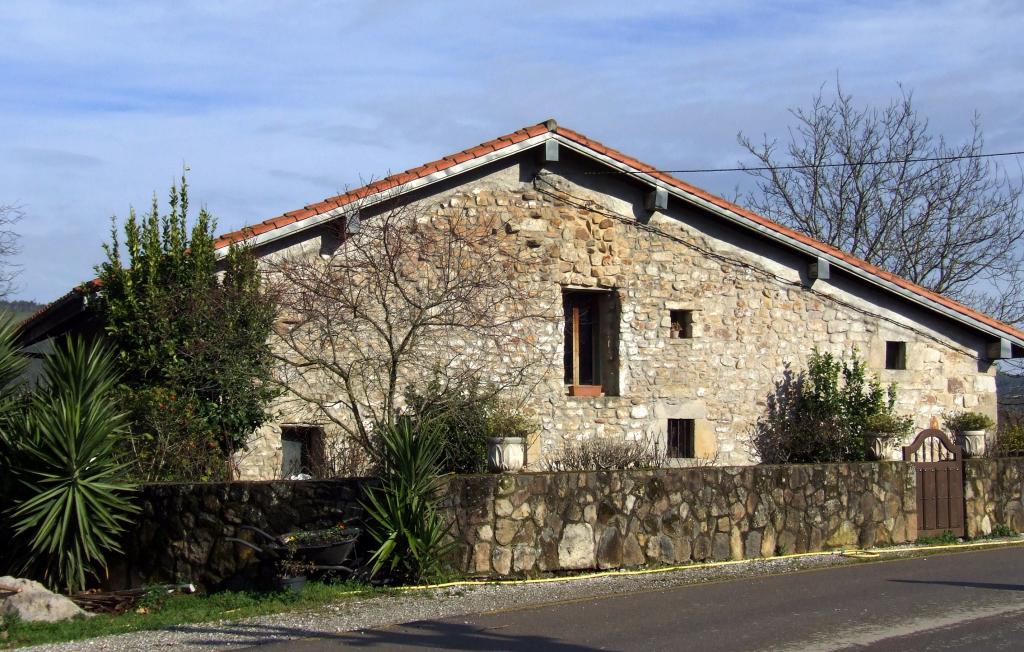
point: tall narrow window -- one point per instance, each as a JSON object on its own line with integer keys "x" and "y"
{"x": 895, "y": 355}
{"x": 590, "y": 355}
{"x": 681, "y": 441}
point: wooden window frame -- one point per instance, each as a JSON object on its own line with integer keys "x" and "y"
{"x": 601, "y": 339}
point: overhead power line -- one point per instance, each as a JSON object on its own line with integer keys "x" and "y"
{"x": 810, "y": 166}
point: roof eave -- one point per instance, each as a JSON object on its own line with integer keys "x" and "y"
{"x": 793, "y": 243}
{"x": 383, "y": 195}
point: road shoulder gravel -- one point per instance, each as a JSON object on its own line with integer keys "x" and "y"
{"x": 356, "y": 614}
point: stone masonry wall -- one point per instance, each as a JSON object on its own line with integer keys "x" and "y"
{"x": 180, "y": 532}
{"x": 535, "y": 523}
{"x": 542, "y": 522}
{"x": 753, "y": 321}
{"x": 994, "y": 494}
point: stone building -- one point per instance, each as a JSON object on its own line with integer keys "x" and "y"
{"x": 677, "y": 311}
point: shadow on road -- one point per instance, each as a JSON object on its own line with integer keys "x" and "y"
{"x": 424, "y": 634}
{"x": 971, "y": 585}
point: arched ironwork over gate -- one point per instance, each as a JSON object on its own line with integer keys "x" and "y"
{"x": 939, "y": 470}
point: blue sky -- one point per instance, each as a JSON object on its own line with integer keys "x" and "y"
{"x": 274, "y": 105}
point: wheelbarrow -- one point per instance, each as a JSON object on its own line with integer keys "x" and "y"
{"x": 321, "y": 550}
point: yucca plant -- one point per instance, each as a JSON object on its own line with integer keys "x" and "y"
{"x": 72, "y": 505}
{"x": 12, "y": 364}
{"x": 402, "y": 513}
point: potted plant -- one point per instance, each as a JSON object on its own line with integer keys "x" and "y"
{"x": 292, "y": 574}
{"x": 969, "y": 430}
{"x": 506, "y": 443}
{"x": 328, "y": 546}
{"x": 883, "y": 433}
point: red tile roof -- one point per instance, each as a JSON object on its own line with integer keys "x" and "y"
{"x": 402, "y": 178}
{"x": 790, "y": 233}
{"x": 384, "y": 184}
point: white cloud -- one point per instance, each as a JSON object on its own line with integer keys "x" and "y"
{"x": 275, "y": 105}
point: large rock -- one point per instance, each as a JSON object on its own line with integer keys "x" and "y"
{"x": 576, "y": 549}
{"x": 34, "y": 603}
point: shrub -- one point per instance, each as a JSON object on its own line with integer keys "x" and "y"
{"x": 184, "y": 323}
{"x": 1001, "y": 530}
{"x": 402, "y": 514}
{"x": 887, "y": 423}
{"x": 464, "y": 418}
{"x": 606, "y": 455}
{"x": 824, "y": 413}
{"x": 73, "y": 506}
{"x": 167, "y": 441}
{"x": 1009, "y": 440}
{"x": 964, "y": 421}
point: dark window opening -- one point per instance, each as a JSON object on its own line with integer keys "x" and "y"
{"x": 681, "y": 438}
{"x": 682, "y": 323}
{"x": 332, "y": 236}
{"x": 895, "y": 355}
{"x": 591, "y": 342}
{"x": 303, "y": 450}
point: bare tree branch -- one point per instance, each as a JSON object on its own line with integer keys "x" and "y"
{"x": 10, "y": 215}
{"x": 953, "y": 226}
{"x": 419, "y": 292}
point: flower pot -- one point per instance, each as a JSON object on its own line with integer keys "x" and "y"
{"x": 882, "y": 446}
{"x": 585, "y": 390}
{"x": 292, "y": 583}
{"x": 972, "y": 442}
{"x": 505, "y": 454}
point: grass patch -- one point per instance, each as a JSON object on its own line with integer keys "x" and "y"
{"x": 165, "y": 611}
{"x": 946, "y": 538}
{"x": 999, "y": 532}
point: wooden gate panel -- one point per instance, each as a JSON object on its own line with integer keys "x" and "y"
{"x": 942, "y": 498}
{"x": 939, "y": 471}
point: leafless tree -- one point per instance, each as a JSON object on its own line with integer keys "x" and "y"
{"x": 10, "y": 215}
{"x": 900, "y": 198}
{"x": 414, "y": 292}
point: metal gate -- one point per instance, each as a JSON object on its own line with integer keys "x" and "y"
{"x": 939, "y": 470}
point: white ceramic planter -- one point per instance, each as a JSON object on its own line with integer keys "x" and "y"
{"x": 972, "y": 442}
{"x": 506, "y": 454}
{"x": 882, "y": 447}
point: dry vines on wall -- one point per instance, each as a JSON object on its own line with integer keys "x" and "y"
{"x": 400, "y": 294}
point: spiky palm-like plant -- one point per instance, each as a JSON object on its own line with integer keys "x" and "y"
{"x": 12, "y": 364}
{"x": 403, "y": 518}
{"x": 73, "y": 505}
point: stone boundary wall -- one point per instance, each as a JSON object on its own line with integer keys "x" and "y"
{"x": 542, "y": 522}
{"x": 994, "y": 494}
{"x": 179, "y": 536}
{"x": 534, "y": 523}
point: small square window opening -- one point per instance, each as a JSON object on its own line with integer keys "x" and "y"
{"x": 681, "y": 438}
{"x": 303, "y": 450}
{"x": 681, "y": 324}
{"x": 895, "y": 355}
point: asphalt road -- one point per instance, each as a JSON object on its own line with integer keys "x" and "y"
{"x": 963, "y": 601}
